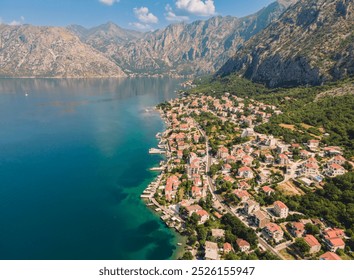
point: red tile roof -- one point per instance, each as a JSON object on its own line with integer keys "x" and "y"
{"x": 202, "y": 213}
{"x": 242, "y": 243}
{"x": 329, "y": 256}
{"x": 311, "y": 240}
{"x": 336, "y": 166}
{"x": 280, "y": 204}
{"x": 272, "y": 227}
{"x": 227, "y": 247}
{"x": 244, "y": 169}
{"x": 241, "y": 193}
{"x": 267, "y": 189}
{"x": 336, "y": 242}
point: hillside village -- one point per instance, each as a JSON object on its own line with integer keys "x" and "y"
{"x": 222, "y": 182}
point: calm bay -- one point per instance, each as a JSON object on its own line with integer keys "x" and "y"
{"x": 73, "y": 163}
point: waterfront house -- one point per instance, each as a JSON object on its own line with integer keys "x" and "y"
{"x": 193, "y": 209}
{"x": 204, "y": 216}
{"x": 169, "y": 193}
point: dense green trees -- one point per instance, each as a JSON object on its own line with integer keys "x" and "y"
{"x": 334, "y": 203}
{"x": 187, "y": 256}
{"x": 302, "y": 246}
{"x": 238, "y": 229}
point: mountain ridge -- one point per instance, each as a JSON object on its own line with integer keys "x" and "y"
{"x": 200, "y": 47}
{"x": 30, "y": 51}
{"x": 310, "y": 44}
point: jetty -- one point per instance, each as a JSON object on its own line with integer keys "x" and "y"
{"x": 161, "y": 168}
{"x": 156, "y": 151}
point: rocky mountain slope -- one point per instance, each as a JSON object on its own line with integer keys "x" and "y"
{"x": 197, "y": 48}
{"x": 104, "y": 35}
{"x": 311, "y": 43}
{"x": 29, "y": 51}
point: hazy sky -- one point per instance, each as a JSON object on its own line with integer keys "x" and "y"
{"x": 134, "y": 14}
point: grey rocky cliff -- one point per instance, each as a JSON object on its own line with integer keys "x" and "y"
{"x": 311, "y": 43}
{"x": 30, "y": 51}
{"x": 197, "y": 48}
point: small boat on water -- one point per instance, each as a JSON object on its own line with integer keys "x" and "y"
{"x": 179, "y": 244}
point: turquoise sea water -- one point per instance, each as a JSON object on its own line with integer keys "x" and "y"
{"x": 73, "y": 163}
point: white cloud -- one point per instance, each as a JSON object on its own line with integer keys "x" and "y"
{"x": 18, "y": 22}
{"x": 171, "y": 16}
{"x": 144, "y": 16}
{"x": 109, "y": 2}
{"x": 15, "y": 22}
{"x": 197, "y": 7}
{"x": 141, "y": 26}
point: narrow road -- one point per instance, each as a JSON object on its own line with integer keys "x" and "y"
{"x": 217, "y": 197}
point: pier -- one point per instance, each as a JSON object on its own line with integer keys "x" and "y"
{"x": 156, "y": 151}
{"x": 162, "y": 168}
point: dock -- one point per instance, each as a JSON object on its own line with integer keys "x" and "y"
{"x": 156, "y": 151}
{"x": 157, "y": 168}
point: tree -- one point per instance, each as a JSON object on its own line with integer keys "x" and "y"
{"x": 192, "y": 239}
{"x": 187, "y": 256}
{"x": 312, "y": 229}
{"x": 302, "y": 246}
{"x": 194, "y": 219}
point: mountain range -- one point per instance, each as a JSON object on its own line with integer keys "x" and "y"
{"x": 289, "y": 42}
{"x": 311, "y": 43}
{"x": 29, "y": 51}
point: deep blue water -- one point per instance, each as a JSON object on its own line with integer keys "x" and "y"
{"x": 73, "y": 163}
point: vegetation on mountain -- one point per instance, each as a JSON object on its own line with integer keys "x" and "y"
{"x": 30, "y": 51}
{"x": 311, "y": 43}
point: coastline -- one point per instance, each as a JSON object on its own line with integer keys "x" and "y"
{"x": 166, "y": 215}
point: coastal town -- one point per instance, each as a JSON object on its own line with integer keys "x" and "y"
{"x": 222, "y": 183}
